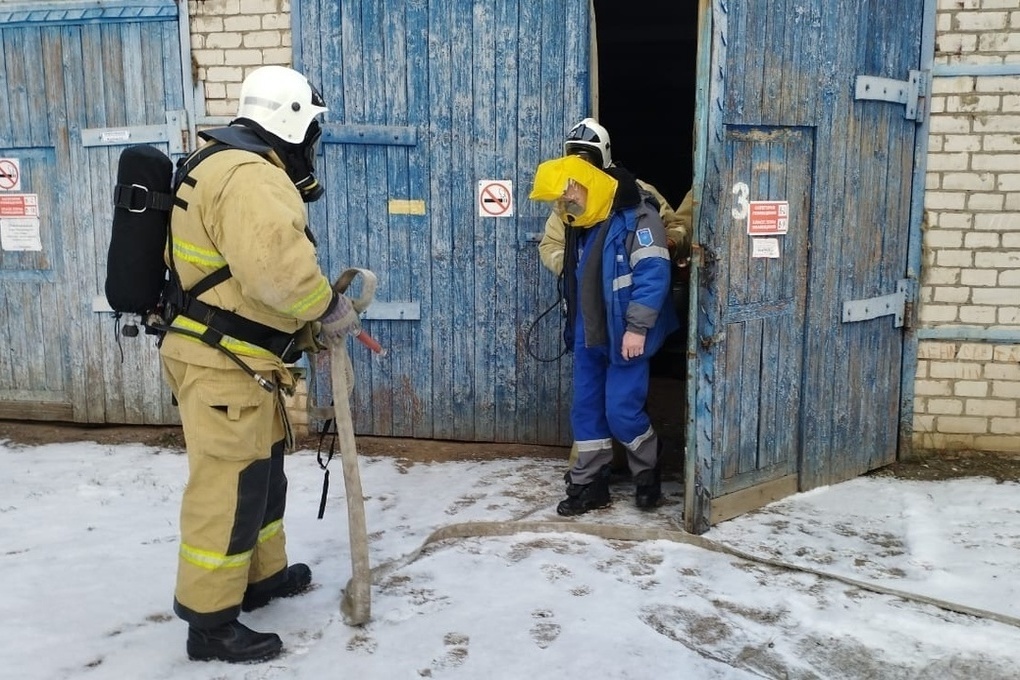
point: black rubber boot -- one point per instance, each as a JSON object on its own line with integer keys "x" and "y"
{"x": 649, "y": 488}
{"x": 232, "y": 642}
{"x": 299, "y": 577}
{"x": 584, "y": 497}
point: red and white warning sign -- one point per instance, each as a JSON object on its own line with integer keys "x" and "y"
{"x": 766, "y": 218}
{"x": 495, "y": 198}
{"x": 19, "y": 205}
{"x": 10, "y": 174}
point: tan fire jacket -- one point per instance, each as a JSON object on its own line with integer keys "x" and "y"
{"x": 243, "y": 211}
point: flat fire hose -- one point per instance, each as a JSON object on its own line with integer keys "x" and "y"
{"x": 355, "y": 603}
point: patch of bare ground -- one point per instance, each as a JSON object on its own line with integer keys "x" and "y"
{"x": 35, "y": 433}
{"x": 921, "y": 465}
{"x": 933, "y": 465}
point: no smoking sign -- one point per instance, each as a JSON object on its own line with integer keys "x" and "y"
{"x": 495, "y": 198}
{"x": 10, "y": 174}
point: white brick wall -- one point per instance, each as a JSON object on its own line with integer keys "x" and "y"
{"x": 230, "y": 38}
{"x": 967, "y": 394}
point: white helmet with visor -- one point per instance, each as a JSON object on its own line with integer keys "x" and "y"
{"x": 591, "y": 140}
{"x": 282, "y": 101}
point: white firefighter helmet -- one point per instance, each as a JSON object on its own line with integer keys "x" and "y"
{"x": 588, "y": 138}
{"x": 281, "y": 100}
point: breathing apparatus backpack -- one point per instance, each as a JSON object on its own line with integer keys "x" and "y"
{"x": 142, "y": 198}
{"x": 138, "y": 280}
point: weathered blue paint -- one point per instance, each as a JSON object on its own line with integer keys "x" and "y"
{"x": 908, "y": 367}
{"x": 65, "y": 69}
{"x": 22, "y": 14}
{"x": 489, "y": 89}
{"x": 426, "y": 100}
{"x": 787, "y": 396}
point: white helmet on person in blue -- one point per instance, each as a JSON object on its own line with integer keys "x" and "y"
{"x": 591, "y": 141}
{"x": 282, "y": 107}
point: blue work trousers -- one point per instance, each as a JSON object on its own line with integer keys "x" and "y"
{"x": 609, "y": 403}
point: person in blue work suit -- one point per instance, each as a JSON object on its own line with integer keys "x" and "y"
{"x": 619, "y": 313}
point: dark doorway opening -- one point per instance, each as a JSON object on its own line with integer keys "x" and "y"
{"x": 647, "y": 73}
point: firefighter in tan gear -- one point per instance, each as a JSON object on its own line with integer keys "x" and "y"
{"x": 249, "y": 295}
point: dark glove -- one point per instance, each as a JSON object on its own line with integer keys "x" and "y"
{"x": 340, "y": 321}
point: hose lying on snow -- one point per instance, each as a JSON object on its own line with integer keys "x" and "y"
{"x": 633, "y": 533}
{"x": 356, "y": 601}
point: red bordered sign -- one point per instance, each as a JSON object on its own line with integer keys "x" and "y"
{"x": 495, "y": 198}
{"x": 10, "y": 174}
{"x": 19, "y": 205}
{"x": 767, "y": 218}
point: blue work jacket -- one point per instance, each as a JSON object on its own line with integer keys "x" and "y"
{"x": 631, "y": 289}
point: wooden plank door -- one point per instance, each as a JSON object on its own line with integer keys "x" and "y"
{"x": 426, "y": 101}
{"x": 78, "y": 81}
{"x": 800, "y": 342}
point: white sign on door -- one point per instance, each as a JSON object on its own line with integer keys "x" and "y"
{"x": 495, "y": 198}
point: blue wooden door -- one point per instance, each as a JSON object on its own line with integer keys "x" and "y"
{"x": 79, "y": 81}
{"x": 427, "y": 100}
{"x": 813, "y": 110}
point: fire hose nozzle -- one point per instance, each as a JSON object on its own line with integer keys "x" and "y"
{"x": 368, "y": 341}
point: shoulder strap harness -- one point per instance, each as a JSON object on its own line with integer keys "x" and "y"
{"x": 218, "y": 322}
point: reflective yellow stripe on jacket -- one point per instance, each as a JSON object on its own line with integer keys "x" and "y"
{"x": 200, "y": 257}
{"x": 239, "y": 347}
{"x": 322, "y": 291}
{"x": 205, "y": 258}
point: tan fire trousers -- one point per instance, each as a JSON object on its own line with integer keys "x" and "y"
{"x": 232, "y": 509}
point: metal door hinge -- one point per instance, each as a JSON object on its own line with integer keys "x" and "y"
{"x": 912, "y": 92}
{"x": 894, "y": 304}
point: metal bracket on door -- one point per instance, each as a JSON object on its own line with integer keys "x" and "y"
{"x": 174, "y": 133}
{"x": 908, "y": 92}
{"x": 393, "y": 311}
{"x": 883, "y": 305}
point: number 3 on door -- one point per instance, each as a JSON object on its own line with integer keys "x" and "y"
{"x": 740, "y": 203}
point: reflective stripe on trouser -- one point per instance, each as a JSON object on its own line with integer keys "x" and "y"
{"x": 609, "y": 402}
{"x": 233, "y": 504}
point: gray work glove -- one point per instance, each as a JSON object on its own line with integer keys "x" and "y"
{"x": 340, "y": 321}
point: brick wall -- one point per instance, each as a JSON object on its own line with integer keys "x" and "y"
{"x": 967, "y": 392}
{"x": 230, "y": 38}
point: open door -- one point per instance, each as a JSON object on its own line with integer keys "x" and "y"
{"x": 650, "y": 48}
{"x": 812, "y": 116}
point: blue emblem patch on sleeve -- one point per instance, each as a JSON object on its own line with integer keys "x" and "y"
{"x": 644, "y": 237}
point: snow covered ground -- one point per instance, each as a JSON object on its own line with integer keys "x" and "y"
{"x": 896, "y": 579}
